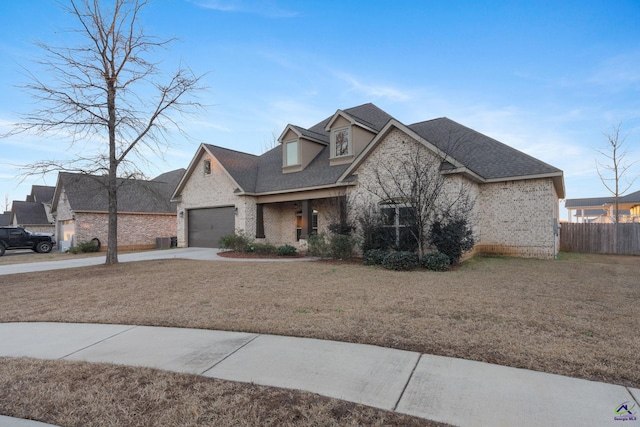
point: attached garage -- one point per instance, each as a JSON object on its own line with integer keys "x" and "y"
{"x": 207, "y": 226}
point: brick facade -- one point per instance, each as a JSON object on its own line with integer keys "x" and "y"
{"x": 136, "y": 231}
{"x": 215, "y": 189}
{"x": 515, "y": 217}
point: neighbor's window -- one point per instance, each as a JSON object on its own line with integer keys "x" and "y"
{"x": 291, "y": 153}
{"x": 341, "y": 137}
{"x": 207, "y": 166}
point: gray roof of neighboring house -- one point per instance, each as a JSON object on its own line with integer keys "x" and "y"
{"x": 587, "y": 202}
{"x": 88, "y": 193}
{"x": 481, "y": 154}
{"x": 630, "y": 198}
{"x": 42, "y": 193}
{"x": 590, "y": 212}
{"x": 5, "y": 218}
{"x": 30, "y": 213}
{"x": 601, "y": 201}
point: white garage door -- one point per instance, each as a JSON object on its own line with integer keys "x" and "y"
{"x": 207, "y": 226}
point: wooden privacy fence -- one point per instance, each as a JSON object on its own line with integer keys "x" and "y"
{"x": 601, "y": 238}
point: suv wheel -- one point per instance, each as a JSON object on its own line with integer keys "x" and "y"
{"x": 43, "y": 247}
{"x": 1, "y": 250}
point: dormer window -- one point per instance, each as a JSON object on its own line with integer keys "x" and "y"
{"x": 292, "y": 157}
{"x": 206, "y": 165}
{"x": 341, "y": 142}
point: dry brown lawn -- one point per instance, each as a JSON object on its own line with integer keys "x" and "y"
{"x": 578, "y": 316}
{"x": 83, "y": 394}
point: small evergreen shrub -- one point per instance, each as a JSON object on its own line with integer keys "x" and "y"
{"x": 263, "y": 248}
{"x": 239, "y": 242}
{"x": 374, "y": 257}
{"x": 341, "y": 246}
{"x": 435, "y": 261}
{"x": 287, "y": 250}
{"x": 85, "y": 247}
{"x": 452, "y": 238}
{"x": 318, "y": 245}
{"x": 400, "y": 261}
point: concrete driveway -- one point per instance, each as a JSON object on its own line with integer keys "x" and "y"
{"x": 200, "y": 254}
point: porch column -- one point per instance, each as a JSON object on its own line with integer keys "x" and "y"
{"x": 259, "y": 221}
{"x": 307, "y": 220}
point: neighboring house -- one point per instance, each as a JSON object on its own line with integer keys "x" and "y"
{"x": 34, "y": 214}
{"x": 5, "y": 218}
{"x": 603, "y": 209}
{"x": 290, "y": 192}
{"x": 145, "y": 212}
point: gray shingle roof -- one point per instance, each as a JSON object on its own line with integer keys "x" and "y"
{"x": 600, "y": 201}
{"x": 5, "y": 218}
{"x": 483, "y": 155}
{"x": 317, "y": 173}
{"x": 42, "y": 193}
{"x": 243, "y": 167}
{"x": 587, "y": 202}
{"x": 30, "y": 213}
{"x": 89, "y": 193}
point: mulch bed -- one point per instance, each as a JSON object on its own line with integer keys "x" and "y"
{"x": 234, "y": 254}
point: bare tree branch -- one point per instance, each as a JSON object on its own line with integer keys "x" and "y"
{"x": 105, "y": 91}
{"x": 615, "y": 170}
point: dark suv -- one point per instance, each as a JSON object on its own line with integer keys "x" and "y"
{"x": 19, "y": 238}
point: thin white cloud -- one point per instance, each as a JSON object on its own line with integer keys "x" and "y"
{"x": 373, "y": 90}
{"x": 618, "y": 72}
{"x": 267, "y": 8}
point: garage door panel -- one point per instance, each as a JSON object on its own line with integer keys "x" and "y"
{"x": 207, "y": 226}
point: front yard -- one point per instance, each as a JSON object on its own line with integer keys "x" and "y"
{"x": 578, "y": 316}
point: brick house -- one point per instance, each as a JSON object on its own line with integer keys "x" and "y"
{"x": 80, "y": 205}
{"x": 34, "y": 213}
{"x": 290, "y": 192}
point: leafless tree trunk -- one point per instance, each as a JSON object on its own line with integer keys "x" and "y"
{"x": 614, "y": 172}
{"x": 99, "y": 93}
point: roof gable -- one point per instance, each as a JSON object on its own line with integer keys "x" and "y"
{"x": 42, "y": 193}
{"x": 88, "y": 193}
{"x": 367, "y": 116}
{"x": 29, "y": 213}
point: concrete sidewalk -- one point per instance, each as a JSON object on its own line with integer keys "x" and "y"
{"x": 454, "y": 391}
{"x": 200, "y": 254}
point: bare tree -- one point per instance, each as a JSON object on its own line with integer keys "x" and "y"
{"x": 6, "y": 202}
{"x": 271, "y": 142}
{"x": 614, "y": 172}
{"x": 105, "y": 96}
{"x": 414, "y": 185}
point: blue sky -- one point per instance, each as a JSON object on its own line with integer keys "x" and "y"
{"x": 545, "y": 77}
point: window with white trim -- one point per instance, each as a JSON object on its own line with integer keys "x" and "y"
{"x": 206, "y": 165}
{"x": 291, "y": 153}
{"x": 341, "y": 142}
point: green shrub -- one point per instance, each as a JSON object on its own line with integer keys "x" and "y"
{"x": 452, "y": 237}
{"x": 400, "y": 261}
{"x": 263, "y": 248}
{"x": 435, "y": 261}
{"x": 239, "y": 242}
{"x": 287, "y": 250}
{"x": 85, "y": 247}
{"x": 374, "y": 257}
{"x": 341, "y": 246}
{"x": 318, "y": 245}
